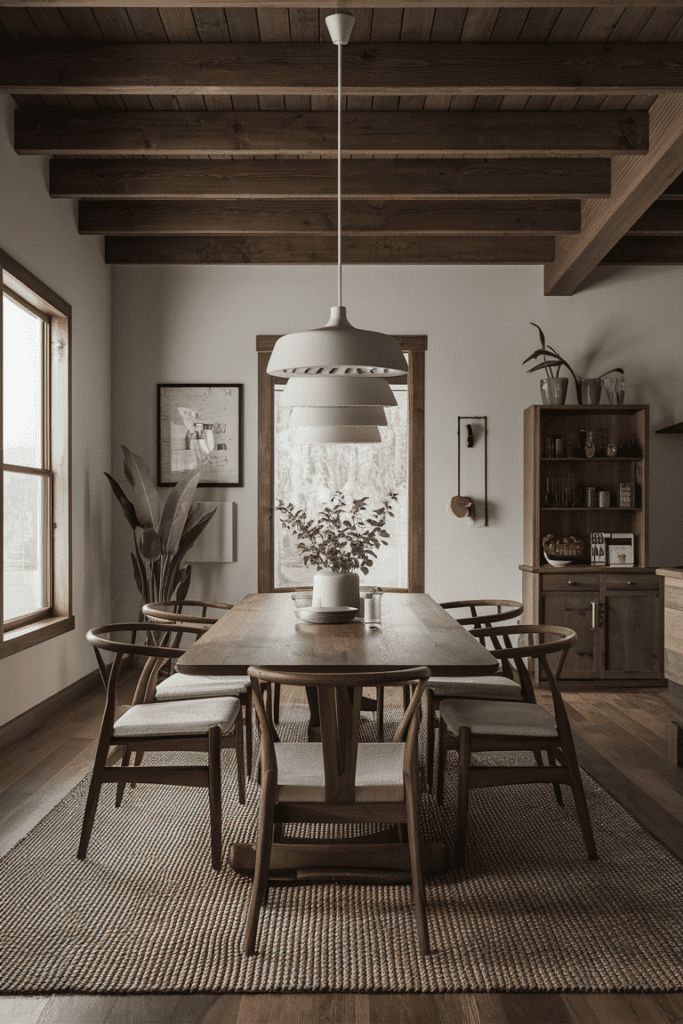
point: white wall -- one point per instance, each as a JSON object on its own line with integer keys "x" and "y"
{"x": 198, "y": 324}
{"x": 41, "y": 233}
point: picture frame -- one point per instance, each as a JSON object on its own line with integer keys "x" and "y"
{"x": 621, "y": 550}
{"x": 200, "y": 426}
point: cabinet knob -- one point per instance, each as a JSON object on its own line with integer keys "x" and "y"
{"x": 571, "y": 583}
{"x": 630, "y": 583}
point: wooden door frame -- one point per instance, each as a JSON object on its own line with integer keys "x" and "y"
{"x": 414, "y": 346}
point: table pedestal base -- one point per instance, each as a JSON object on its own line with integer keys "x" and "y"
{"x": 364, "y": 862}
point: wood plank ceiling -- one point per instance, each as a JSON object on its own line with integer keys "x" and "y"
{"x": 471, "y": 134}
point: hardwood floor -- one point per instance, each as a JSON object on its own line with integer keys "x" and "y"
{"x": 621, "y": 740}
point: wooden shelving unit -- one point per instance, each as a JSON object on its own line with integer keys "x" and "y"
{"x": 615, "y": 610}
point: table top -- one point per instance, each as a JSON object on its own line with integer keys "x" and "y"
{"x": 264, "y": 630}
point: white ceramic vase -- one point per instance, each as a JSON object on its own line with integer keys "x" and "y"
{"x": 336, "y": 589}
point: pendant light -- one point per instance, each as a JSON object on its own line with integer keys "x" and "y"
{"x": 335, "y": 434}
{"x": 337, "y": 349}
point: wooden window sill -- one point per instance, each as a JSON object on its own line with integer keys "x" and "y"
{"x": 35, "y": 633}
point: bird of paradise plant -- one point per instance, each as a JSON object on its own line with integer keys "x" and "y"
{"x": 163, "y": 532}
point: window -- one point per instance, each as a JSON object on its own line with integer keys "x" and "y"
{"x": 292, "y": 472}
{"x": 35, "y": 540}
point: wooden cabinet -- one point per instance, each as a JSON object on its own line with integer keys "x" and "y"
{"x": 615, "y": 610}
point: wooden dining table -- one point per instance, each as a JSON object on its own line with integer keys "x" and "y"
{"x": 263, "y": 629}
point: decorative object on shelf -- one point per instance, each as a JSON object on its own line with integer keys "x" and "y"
{"x": 614, "y": 389}
{"x": 604, "y": 499}
{"x": 599, "y": 548}
{"x": 591, "y": 500}
{"x": 627, "y": 495}
{"x": 163, "y": 532}
{"x": 555, "y": 394}
{"x": 337, "y": 348}
{"x": 200, "y": 428}
{"x": 562, "y": 551}
{"x": 620, "y": 550}
{"x": 612, "y": 449}
{"x": 561, "y": 492}
{"x": 589, "y": 444}
{"x": 339, "y": 542}
{"x": 591, "y": 389}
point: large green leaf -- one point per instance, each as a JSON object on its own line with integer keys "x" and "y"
{"x": 150, "y": 544}
{"x": 184, "y": 584}
{"x": 145, "y": 495}
{"x": 127, "y": 505}
{"x": 176, "y": 510}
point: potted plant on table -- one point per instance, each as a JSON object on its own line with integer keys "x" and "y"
{"x": 163, "y": 532}
{"x": 340, "y": 541}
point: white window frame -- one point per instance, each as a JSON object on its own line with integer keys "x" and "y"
{"x": 57, "y": 618}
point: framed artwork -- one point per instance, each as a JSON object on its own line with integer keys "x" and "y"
{"x": 200, "y": 426}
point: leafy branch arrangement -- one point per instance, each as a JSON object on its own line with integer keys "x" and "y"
{"x": 340, "y": 538}
{"x": 554, "y": 361}
{"x": 163, "y": 532}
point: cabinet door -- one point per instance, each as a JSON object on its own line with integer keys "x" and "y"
{"x": 631, "y": 634}
{"x": 576, "y": 610}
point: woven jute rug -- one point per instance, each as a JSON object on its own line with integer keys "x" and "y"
{"x": 529, "y": 912}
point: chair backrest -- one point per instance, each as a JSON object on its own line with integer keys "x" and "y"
{"x": 561, "y": 639}
{"x": 175, "y": 611}
{"x": 339, "y": 699}
{"x": 485, "y": 612}
{"x": 156, "y": 654}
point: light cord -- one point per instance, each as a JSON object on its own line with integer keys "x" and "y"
{"x": 339, "y": 226}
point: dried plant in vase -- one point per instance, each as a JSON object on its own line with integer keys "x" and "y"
{"x": 163, "y": 532}
{"x": 554, "y": 387}
{"x": 340, "y": 542}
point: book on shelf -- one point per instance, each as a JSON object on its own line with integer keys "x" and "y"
{"x": 599, "y": 548}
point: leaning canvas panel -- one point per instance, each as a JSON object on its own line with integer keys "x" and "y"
{"x": 217, "y": 542}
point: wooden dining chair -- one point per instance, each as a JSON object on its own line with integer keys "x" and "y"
{"x": 182, "y": 685}
{"x": 338, "y": 779}
{"x": 481, "y": 613}
{"x": 204, "y": 725}
{"x": 488, "y": 725}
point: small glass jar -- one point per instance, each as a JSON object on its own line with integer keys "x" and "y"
{"x": 612, "y": 449}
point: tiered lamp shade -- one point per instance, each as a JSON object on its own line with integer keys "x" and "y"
{"x": 337, "y": 349}
{"x": 335, "y": 434}
{"x": 339, "y": 416}
{"x": 328, "y": 392}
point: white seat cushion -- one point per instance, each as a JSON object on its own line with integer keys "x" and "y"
{"x": 182, "y": 686}
{"x": 475, "y": 686}
{"x": 379, "y": 773}
{"x": 498, "y": 718}
{"x": 178, "y": 718}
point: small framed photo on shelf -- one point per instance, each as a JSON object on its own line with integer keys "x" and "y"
{"x": 620, "y": 550}
{"x": 200, "y": 426}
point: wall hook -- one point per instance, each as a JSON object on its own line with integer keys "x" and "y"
{"x": 470, "y": 436}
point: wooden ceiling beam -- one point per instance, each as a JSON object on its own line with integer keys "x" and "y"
{"x": 370, "y": 69}
{"x": 299, "y": 249}
{"x": 319, "y": 217}
{"x": 661, "y": 219}
{"x": 317, "y": 179}
{"x": 635, "y": 252}
{"x": 68, "y": 132}
{"x": 636, "y": 183}
{"x": 419, "y": 4}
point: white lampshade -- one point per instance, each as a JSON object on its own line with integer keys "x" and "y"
{"x": 337, "y": 435}
{"x": 337, "y": 349}
{"x": 337, "y": 391}
{"x": 339, "y": 416}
